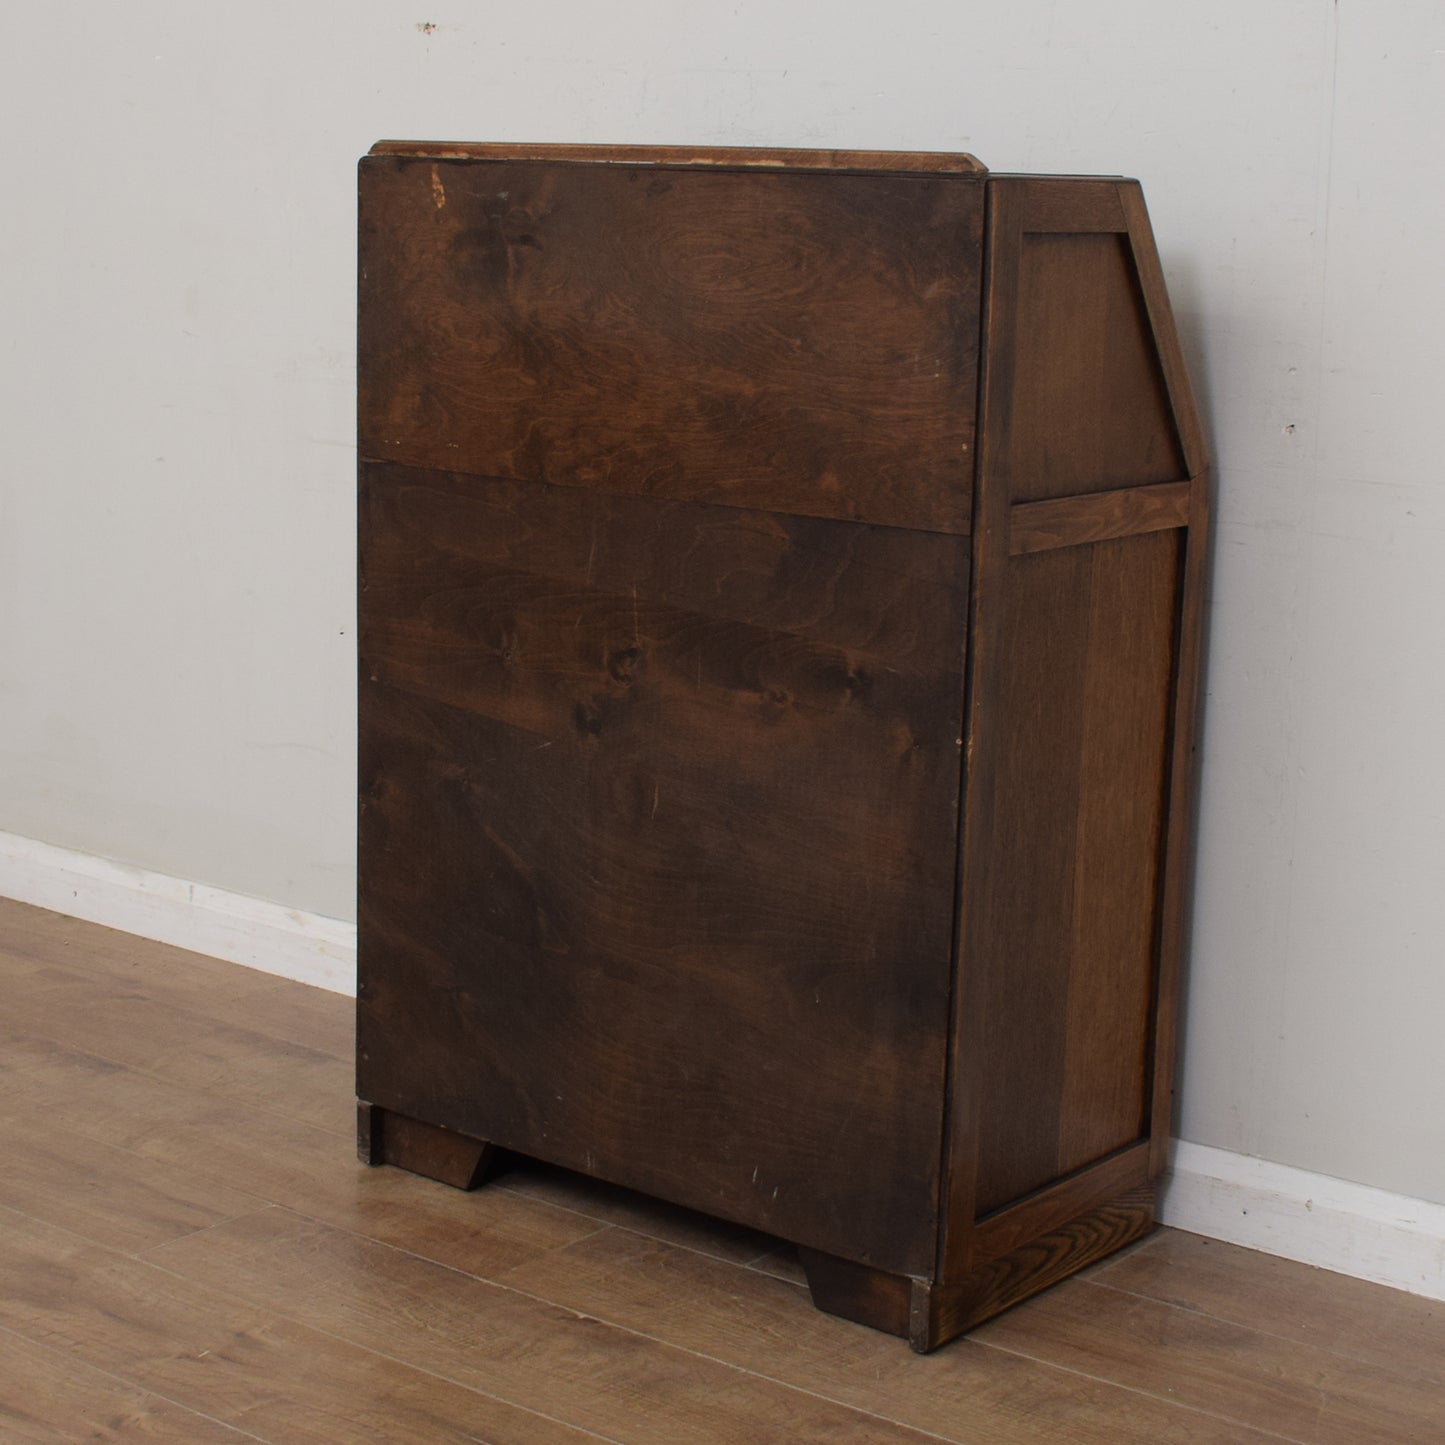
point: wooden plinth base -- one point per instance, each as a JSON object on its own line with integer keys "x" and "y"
{"x": 929, "y": 1314}
{"x": 384, "y": 1137}
{"x": 926, "y": 1313}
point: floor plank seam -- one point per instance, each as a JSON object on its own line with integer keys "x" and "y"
{"x": 1142, "y": 1393}
{"x": 501, "y": 1187}
{"x": 1239, "y": 1324}
{"x": 126, "y": 1380}
{"x": 230, "y": 1099}
{"x": 580, "y": 1315}
{"x": 384, "y": 1354}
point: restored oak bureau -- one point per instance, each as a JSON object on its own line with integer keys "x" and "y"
{"x": 780, "y": 589}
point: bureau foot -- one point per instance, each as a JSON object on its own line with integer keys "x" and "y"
{"x": 385, "y": 1137}
{"x": 928, "y": 1314}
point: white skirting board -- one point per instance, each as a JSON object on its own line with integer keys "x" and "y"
{"x": 286, "y": 941}
{"x": 1387, "y": 1238}
{"x": 1350, "y": 1228}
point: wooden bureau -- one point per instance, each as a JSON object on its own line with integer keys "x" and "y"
{"x": 780, "y": 588}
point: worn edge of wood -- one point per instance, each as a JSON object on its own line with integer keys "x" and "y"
{"x": 1177, "y": 834}
{"x": 1167, "y": 346}
{"x": 1097, "y": 517}
{"x": 990, "y": 543}
{"x": 928, "y": 163}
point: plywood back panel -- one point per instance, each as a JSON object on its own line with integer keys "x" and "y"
{"x": 658, "y": 821}
{"x": 802, "y": 342}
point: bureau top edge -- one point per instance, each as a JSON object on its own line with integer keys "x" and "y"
{"x": 696, "y": 157}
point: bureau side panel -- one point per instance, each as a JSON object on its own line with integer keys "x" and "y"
{"x": 1091, "y": 412}
{"x": 800, "y": 342}
{"x": 1070, "y": 908}
{"x": 1088, "y": 544}
{"x": 658, "y": 809}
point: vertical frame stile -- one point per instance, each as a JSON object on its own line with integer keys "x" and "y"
{"x": 1183, "y": 762}
{"x": 1003, "y": 231}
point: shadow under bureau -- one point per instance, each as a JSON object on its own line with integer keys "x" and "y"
{"x": 780, "y": 586}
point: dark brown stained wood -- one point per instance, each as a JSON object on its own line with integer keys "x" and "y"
{"x": 1068, "y": 941}
{"x": 1150, "y": 273}
{"x": 388, "y": 1138}
{"x": 1090, "y": 409}
{"x": 930, "y": 1314}
{"x": 853, "y": 1291}
{"x": 987, "y": 663}
{"x": 1071, "y": 205}
{"x": 1179, "y": 818}
{"x": 770, "y": 789}
{"x": 800, "y": 342}
{"x": 712, "y": 157}
{"x": 1002, "y": 1283}
{"x": 668, "y": 791}
{"x": 1058, "y": 1204}
{"x": 1097, "y": 517}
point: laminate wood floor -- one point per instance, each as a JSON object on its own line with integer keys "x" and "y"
{"x": 189, "y": 1251}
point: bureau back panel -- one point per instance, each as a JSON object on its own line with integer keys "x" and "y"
{"x": 658, "y": 823}
{"x": 801, "y": 342}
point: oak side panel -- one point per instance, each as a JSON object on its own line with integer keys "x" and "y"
{"x": 1027, "y": 896}
{"x": 1071, "y": 909}
{"x": 658, "y": 808}
{"x": 791, "y": 341}
{"x": 1124, "y": 735}
{"x": 1091, "y": 413}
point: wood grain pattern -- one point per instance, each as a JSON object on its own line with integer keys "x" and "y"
{"x": 677, "y": 583}
{"x": 209, "y": 1352}
{"x": 1044, "y": 1260}
{"x": 577, "y": 710}
{"x": 1382, "y": 1328}
{"x": 711, "y": 157}
{"x": 1071, "y": 205}
{"x": 1229, "y": 1344}
{"x": 1097, "y": 517}
{"x": 576, "y": 1368}
{"x": 1091, "y": 413}
{"x": 1069, "y": 915}
{"x": 1256, "y": 1378}
{"x": 1055, "y": 1206}
{"x": 46, "y": 1397}
{"x": 176, "y": 980}
{"x": 770, "y": 340}
{"x": 383, "y": 1137}
{"x": 967, "y": 1392}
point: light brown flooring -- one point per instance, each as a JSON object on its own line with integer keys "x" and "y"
{"x": 189, "y": 1251}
